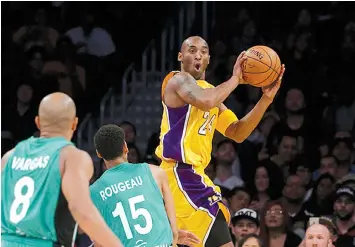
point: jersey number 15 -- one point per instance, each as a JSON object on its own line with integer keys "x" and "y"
{"x": 135, "y": 212}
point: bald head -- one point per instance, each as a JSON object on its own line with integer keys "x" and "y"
{"x": 192, "y": 41}
{"x": 56, "y": 110}
{"x": 317, "y": 235}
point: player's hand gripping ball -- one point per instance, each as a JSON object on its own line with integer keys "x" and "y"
{"x": 262, "y": 67}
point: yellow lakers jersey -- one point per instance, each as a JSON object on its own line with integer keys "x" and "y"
{"x": 186, "y": 132}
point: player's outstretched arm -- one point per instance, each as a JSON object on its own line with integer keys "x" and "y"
{"x": 78, "y": 170}
{"x": 185, "y": 86}
{"x": 239, "y": 130}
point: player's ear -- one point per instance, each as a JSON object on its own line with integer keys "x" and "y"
{"x": 37, "y": 122}
{"x": 75, "y": 124}
{"x": 125, "y": 148}
{"x": 209, "y": 58}
{"x": 98, "y": 154}
{"x": 179, "y": 56}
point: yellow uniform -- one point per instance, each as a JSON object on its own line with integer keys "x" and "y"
{"x": 185, "y": 150}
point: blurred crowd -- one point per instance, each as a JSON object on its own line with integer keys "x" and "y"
{"x": 79, "y": 48}
{"x": 300, "y": 160}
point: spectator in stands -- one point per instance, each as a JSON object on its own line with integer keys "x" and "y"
{"x": 91, "y": 39}
{"x": 274, "y": 226}
{"x": 227, "y": 165}
{"x": 38, "y": 34}
{"x": 70, "y": 76}
{"x": 35, "y": 57}
{"x": 328, "y": 164}
{"x": 293, "y": 195}
{"x": 130, "y": 132}
{"x": 301, "y": 167}
{"x": 294, "y": 119}
{"x": 286, "y": 152}
{"x": 344, "y": 208}
{"x": 320, "y": 202}
{"x": 153, "y": 143}
{"x": 345, "y": 112}
{"x": 134, "y": 155}
{"x": 342, "y": 150}
{"x": 318, "y": 235}
{"x": 251, "y": 240}
{"x": 249, "y": 38}
{"x": 19, "y": 118}
{"x": 245, "y": 222}
{"x": 239, "y": 198}
{"x": 267, "y": 185}
{"x": 210, "y": 170}
{"x": 347, "y": 181}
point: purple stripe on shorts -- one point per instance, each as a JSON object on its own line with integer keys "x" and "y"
{"x": 201, "y": 195}
{"x": 172, "y": 139}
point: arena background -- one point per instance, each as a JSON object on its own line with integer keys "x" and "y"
{"x": 114, "y": 73}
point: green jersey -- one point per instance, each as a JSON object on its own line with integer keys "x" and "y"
{"x": 132, "y": 205}
{"x": 33, "y": 206}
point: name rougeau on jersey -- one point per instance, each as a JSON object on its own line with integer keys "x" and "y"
{"x": 121, "y": 186}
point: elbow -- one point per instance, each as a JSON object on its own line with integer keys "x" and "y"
{"x": 79, "y": 212}
{"x": 240, "y": 139}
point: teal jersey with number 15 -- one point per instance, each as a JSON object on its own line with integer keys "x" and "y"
{"x": 132, "y": 205}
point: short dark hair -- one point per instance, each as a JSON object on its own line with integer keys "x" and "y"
{"x": 109, "y": 141}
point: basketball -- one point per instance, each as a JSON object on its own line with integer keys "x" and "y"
{"x": 262, "y": 66}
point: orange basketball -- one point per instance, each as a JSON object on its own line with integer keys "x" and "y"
{"x": 262, "y": 67}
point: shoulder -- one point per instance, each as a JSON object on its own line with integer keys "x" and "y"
{"x": 177, "y": 77}
{"x": 74, "y": 31}
{"x": 157, "y": 172}
{"x": 72, "y": 150}
{"x": 77, "y": 156}
{"x": 6, "y": 157}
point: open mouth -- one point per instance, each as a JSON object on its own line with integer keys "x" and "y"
{"x": 198, "y": 67}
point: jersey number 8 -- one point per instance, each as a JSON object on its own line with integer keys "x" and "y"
{"x": 21, "y": 199}
{"x": 135, "y": 212}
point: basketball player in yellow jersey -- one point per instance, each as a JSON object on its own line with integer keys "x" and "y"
{"x": 193, "y": 109}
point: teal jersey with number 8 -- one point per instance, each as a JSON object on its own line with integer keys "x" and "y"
{"x": 132, "y": 205}
{"x": 33, "y": 206}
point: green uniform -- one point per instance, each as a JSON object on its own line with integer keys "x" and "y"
{"x": 34, "y": 210}
{"x": 132, "y": 205}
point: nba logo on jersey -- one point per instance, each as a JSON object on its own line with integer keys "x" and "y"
{"x": 215, "y": 198}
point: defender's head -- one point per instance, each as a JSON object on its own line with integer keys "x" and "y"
{"x": 57, "y": 115}
{"x": 194, "y": 56}
{"x": 110, "y": 143}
